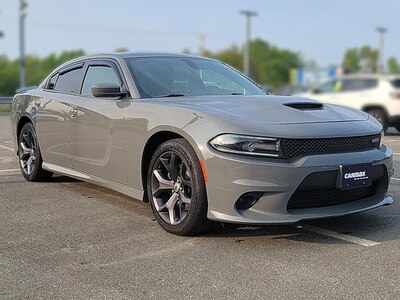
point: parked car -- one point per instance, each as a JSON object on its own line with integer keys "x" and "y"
{"x": 378, "y": 95}
{"x": 200, "y": 142}
{"x": 288, "y": 90}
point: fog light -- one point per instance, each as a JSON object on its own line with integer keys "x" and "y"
{"x": 247, "y": 200}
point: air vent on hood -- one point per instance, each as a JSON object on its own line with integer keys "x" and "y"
{"x": 304, "y": 105}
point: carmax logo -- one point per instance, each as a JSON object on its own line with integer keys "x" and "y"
{"x": 354, "y": 175}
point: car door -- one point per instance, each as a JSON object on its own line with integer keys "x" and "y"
{"x": 52, "y": 114}
{"x": 356, "y": 92}
{"x": 96, "y": 126}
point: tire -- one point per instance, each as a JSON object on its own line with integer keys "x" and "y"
{"x": 397, "y": 128}
{"x": 176, "y": 189}
{"x": 30, "y": 159}
{"x": 381, "y": 117}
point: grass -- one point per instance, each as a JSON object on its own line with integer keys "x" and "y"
{"x": 5, "y": 108}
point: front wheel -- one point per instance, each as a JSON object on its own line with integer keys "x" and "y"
{"x": 176, "y": 189}
{"x": 30, "y": 159}
{"x": 380, "y": 116}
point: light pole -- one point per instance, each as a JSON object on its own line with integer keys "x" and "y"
{"x": 379, "y": 60}
{"x": 22, "y": 15}
{"x": 202, "y": 48}
{"x": 1, "y": 32}
{"x": 246, "y": 57}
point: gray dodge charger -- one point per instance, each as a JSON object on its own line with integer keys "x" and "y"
{"x": 200, "y": 142}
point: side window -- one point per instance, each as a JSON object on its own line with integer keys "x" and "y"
{"x": 98, "y": 74}
{"x": 350, "y": 85}
{"x": 396, "y": 83}
{"x": 329, "y": 87}
{"x": 52, "y": 82}
{"x": 67, "y": 82}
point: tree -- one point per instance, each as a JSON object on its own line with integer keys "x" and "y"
{"x": 393, "y": 66}
{"x": 121, "y": 49}
{"x": 368, "y": 58}
{"x": 360, "y": 60}
{"x": 270, "y": 65}
{"x": 37, "y": 68}
{"x": 232, "y": 56}
{"x": 351, "y": 61}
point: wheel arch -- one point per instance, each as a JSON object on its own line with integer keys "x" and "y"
{"x": 154, "y": 141}
{"x": 370, "y": 107}
{"x": 21, "y": 122}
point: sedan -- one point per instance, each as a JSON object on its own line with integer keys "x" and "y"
{"x": 200, "y": 142}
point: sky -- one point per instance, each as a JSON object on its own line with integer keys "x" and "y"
{"x": 321, "y": 30}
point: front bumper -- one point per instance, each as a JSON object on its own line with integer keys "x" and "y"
{"x": 231, "y": 176}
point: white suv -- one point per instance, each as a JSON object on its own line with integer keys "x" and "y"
{"x": 379, "y": 95}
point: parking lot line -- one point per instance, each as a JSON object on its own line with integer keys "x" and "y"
{"x": 8, "y": 171}
{"x": 339, "y": 236}
{"x": 6, "y": 148}
{"x": 391, "y": 141}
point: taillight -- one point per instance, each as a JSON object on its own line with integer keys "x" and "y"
{"x": 395, "y": 95}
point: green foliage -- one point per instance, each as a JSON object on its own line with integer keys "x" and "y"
{"x": 351, "y": 61}
{"x": 36, "y": 69}
{"x": 232, "y": 56}
{"x": 368, "y": 58}
{"x": 270, "y": 65}
{"x": 5, "y": 108}
{"x": 360, "y": 60}
{"x": 121, "y": 49}
{"x": 393, "y": 66}
{"x": 9, "y": 79}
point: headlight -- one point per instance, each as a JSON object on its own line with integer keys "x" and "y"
{"x": 381, "y": 140}
{"x": 248, "y": 145}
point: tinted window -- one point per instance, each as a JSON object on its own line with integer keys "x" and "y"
{"x": 163, "y": 76}
{"x": 349, "y": 85}
{"x": 329, "y": 87}
{"x": 98, "y": 74}
{"x": 396, "y": 83}
{"x": 52, "y": 82}
{"x": 68, "y": 81}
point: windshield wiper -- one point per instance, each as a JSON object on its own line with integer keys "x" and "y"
{"x": 173, "y": 95}
{"x": 237, "y": 94}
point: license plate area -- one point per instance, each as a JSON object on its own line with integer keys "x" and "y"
{"x": 354, "y": 176}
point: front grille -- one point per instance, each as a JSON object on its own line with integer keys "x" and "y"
{"x": 294, "y": 148}
{"x": 332, "y": 196}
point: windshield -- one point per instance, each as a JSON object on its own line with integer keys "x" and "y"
{"x": 181, "y": 76}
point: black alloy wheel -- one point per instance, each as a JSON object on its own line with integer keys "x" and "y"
{"x": 176, "y": 189}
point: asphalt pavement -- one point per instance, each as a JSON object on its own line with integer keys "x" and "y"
{"x": 68, "y": 239}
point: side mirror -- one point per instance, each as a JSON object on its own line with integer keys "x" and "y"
{"x": 108, "y": 90}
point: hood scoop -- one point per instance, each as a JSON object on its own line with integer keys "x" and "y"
{"x": 305, "y": 105}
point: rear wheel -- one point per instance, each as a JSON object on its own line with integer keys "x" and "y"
{"x": 176, "y": 189}
{"x": 30, "y": 159}
{"x": 380, "y": 116}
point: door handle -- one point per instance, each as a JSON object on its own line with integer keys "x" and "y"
{"x": 73, "y": 113}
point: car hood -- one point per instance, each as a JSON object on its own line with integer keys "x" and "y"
{"x": 267, "y": 109}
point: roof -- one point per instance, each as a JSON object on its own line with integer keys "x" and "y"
{"x": 123, "y": 55}
{"x": 141, "y": 54}
{"x": 367, "y": 76}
